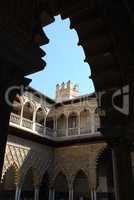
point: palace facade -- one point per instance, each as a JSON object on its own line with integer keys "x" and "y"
{"x": 55, "y": 150}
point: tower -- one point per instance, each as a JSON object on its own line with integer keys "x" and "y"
{"x": 66, "y": 91}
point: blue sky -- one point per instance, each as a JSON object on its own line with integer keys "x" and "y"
{"x": 65, "y": 60}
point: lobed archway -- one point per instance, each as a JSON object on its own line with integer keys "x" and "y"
{"x": 40, "y": 116}
{"x": 85, "y": 122}
{"x": 28, "y": 111}
{"x": 50, "y": 126}
{"x": 40, "y": 120}
{"x": 105, "y": 185}
{"x": 50, "y": 123}
{"x": 61, "y": 187}
{"x": 61, "y": 125}
{"x": 10, "y": 180}
{"x": 44, "y": 187}
{"x": 27, "y": 189}
{"x": 73, "y": 124}
{"x": 81, "y": 187}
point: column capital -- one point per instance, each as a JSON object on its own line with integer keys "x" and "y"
{"x": 18, "y": 193}
{"x": 37, "y": 186}
{"x": 71, "y": 191}
{"x": 70, "y": 186}
{"x": 36, "y": 182}
{"x": 51, "y": 193}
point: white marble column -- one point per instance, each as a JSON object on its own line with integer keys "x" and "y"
{"x": 79, "y": 124}
{"x": 51, "y": 194}
{"x": 71, "y": 193}
{"x": 67, "y": 124}
{"x": 81, "y": 198}
{"x": 36, "y": 193}
{"x": 44, "y": 132}
{"x": 34, "y": 120}
{"x": 17, "y": 193}
{"x": 55, "y": 125}
{"x": 93, "y": 195}
{"x": 21, "y": 115}
{"x": 92, "y": 122}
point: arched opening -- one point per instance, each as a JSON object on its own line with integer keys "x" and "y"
{"x": 53, "y": 32}
{"x": 49, "y": 126}
{"x": 85, "y": 122}
{"x": 28, "y": 111}
{"x": 105, "y": 186}
{"x": 40, "y": 116}
{"x": 40, "y": 120}
{"x": 73, "y": 124}
{"x": 44, "y": 188}
{"x": 81, "y": 187}
{"x": 50, "y": 123}
{"x": 9, "y": 184}
{"x": 16, "y": 111}
{"x": 61, "y": 125}
{"x": 27, "y": 190}
{"x": 61, "y": 187}
{"x": 97, "y": 120}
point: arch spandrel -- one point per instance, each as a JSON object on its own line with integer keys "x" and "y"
{"x": 81, "y": 185}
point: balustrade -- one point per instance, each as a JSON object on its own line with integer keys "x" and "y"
{"x": 85, "y": 131}
{"x": 50, "y": 132}
{"x": 43, "y": 131}
{"x": 39, "y": 128}
{"x": 72, "y": 131}
{"x": 15, "y": 119}
{"x": 27, "y": 123}
{"x": 61, "y": 132}
{"x": 34, "y": 98}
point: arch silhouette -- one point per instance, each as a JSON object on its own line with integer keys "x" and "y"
{"x": 27, "y": 185}
{"x": 44, "y": 187}
{"x": 61, "y": 125}
{"x": 81, "y": 186}
{"x": 85, "y": 121}
{"x": 28, "y": 110}
{"x": 50, "y": 122}
{"x": 105, "y": 172}
{"x": 61, "y": 187}
{"x": 40, "y": 116}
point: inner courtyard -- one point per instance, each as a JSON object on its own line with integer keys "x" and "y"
{"x": 72, "y": 146}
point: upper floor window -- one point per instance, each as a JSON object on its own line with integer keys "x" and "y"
{"x": 40, "y": 116}
{"x": 73, "y": 120}
{"x": 28, "y": 111}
